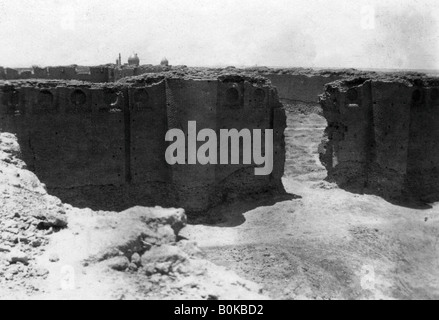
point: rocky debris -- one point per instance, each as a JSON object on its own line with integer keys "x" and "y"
{"x": 176, "y": 221}
{"x": 4, "y": 248}
{"x": 54, "y": 258}
{"x": 164, "y": 260}
{"x": 52, "y": 220}
{"x": 302, "y": 108}
{"x": 191, "y": 248}
{"x": 120, "y": 263}
{"x": 128, "y": 237}
{"x": 142, "y": 247}
{"x": 28, "y": 215}
{"x": 132, "y": 232}
{"x": 16, "y": 256}
{"x": 136, "y": 259}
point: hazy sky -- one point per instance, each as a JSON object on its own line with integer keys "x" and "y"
{"x": 308, "y": 33}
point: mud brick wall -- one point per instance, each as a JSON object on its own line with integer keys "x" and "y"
{"x": 98, "y": 74}
{"x": 40, "y": 73}
{"x": 383, "y": 136}
{"x": 122, "y": 73}
{"x": 103, "y": 146}
{"x": 67, "y": 138}
{"x": 63, "y": 73}
{"x": 11, "y": 74}
{"x": 423, "y": 148}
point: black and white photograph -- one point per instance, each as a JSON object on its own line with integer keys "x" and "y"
{"x": 219, "y": 150}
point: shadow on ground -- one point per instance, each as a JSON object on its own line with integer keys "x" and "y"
{"x": 405, "y": 200}
{"x": 231, "y": 214}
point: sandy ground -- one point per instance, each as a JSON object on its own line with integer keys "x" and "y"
{"x": 321, "y": 242}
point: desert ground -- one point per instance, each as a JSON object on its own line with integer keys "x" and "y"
{"x": 316, "y": 242}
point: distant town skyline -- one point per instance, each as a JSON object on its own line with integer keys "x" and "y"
{"x": 392, "y": 34}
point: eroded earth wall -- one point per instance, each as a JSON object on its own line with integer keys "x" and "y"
{"x": 103, "y": 145}
{"x": 383, "y": 136}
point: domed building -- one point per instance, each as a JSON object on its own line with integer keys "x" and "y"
{"x": 164, "y": 63}
{"x": 134, "y": 60}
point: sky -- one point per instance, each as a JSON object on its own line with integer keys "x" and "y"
{"x": 393, "y": 34}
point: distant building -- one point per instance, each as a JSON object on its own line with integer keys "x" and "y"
{"x": 119, "y": 61}
{"x": 164, "y": 62}
{"x": 134, "y": 60}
